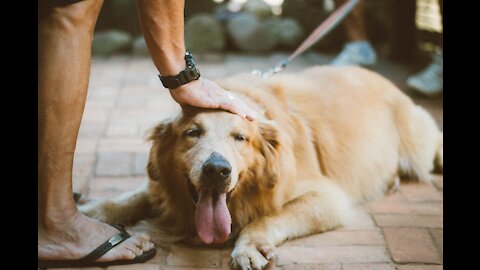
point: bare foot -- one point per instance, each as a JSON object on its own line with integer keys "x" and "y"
{"x": 78, "y": 237}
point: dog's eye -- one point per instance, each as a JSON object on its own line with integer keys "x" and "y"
{"x": 194, "y": 132}
{"x": 239, "y": 137}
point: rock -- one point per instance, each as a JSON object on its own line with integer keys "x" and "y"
{"x": 258, "y": 8}
{"x": 204, "y": 34}
{"x": 110, "y": 42}
{"x": 249, "y": 34}
{"x": 288, "y": 31}
{"x": 193, "y": 7}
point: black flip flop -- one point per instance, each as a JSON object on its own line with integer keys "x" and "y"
{"x": 89, "y": 260}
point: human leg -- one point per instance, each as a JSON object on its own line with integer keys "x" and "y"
{"x": 358, "y": 50}
{"x": 65, "y": 34}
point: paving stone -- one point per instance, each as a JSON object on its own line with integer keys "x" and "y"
{"x": 309, "y": 266}
{"x": 140, "y": 266}
{"x": 438, "y": 182}
{"x": 86, "y": 146}
{"x": 411, "y": 245}
{"x": 133, "y": 145}
{"x": 407, "y": 208}
{"x": 122, "y": 130}
{"x": 341, "y": 238}
{"x": 332, "y": 254}
{"x": 114, "y": 164}
{"x": 92, "y": 130}
{"x": 437, "y": 235}
{"x": 420, "y": 267}
{"x": 420, "y": 192}
{"x": 140, "y": 164}
{"x": 183, "y": 256}
{"x": 368, "y": 266}
{"x": 109, "y": 187}
{"x": 406, "y": 220}
{"x": 83, "y": 164}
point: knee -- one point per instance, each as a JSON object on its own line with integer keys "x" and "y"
{"x": 73, "y": 17}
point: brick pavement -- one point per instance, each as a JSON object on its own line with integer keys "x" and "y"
{"x": 402, "y": 231}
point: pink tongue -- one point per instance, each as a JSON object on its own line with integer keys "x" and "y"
{"x": 212, "y": 218}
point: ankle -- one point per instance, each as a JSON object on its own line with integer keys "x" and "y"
{"x": 56, "y": 220}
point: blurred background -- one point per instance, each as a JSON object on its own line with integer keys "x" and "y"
{"x": 400, "y": 30}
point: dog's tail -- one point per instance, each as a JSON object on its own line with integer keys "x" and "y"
{"x": 421, "y": 143}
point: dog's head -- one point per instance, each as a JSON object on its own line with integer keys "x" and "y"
{"x": 210, "y": 154}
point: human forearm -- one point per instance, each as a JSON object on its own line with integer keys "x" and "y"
{"x": 162, "y": 23}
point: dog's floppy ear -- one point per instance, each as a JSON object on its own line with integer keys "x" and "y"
{"x": 162, "y": 133}
{"x": 269, "y": 132}
{"x": 269, "y": 147}
{"x": 162, "y": 138}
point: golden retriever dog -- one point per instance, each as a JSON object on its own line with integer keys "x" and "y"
{"x": 325, "y": 139}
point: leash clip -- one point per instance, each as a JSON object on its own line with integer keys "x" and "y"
{"x": 279, "y": 67}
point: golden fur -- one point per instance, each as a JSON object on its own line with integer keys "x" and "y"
{"x": 326, "y": 138}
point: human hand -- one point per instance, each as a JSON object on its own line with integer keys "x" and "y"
{"x": 207, "y": 94}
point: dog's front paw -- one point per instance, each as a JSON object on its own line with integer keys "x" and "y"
{"x": 253, "y": 255}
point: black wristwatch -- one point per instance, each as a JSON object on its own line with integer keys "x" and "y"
{"x": 191, "y": 73}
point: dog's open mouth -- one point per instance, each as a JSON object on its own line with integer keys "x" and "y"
{"x": 212, "y": 218}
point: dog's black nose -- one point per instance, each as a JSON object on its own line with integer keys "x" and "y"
{"x": 216, "y": 168}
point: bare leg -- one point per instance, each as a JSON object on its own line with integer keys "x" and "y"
{"x": 357, "y": 50}
{"x": 65, "y": 37}
{"x": 354, "y": 22}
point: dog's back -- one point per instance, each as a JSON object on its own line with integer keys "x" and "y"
{"x": 366, "y": 132}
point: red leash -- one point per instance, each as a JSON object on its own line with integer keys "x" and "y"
{"x": 323, "y": 29}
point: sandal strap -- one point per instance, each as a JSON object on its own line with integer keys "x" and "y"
{"x": 108, "y": 245}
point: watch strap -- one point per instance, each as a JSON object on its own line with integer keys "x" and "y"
{"x": 190, "y": 73}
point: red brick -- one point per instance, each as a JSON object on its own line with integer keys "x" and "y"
{"x": 341, "y": 238}
{"x": 108, "y": 187}
{"x": 438, "y": 181}
{"x": 129, "y": 100}
{"x": 122, "y": 129}
{"x": 80, "y": 184}
{"x": 136, "y": 145}
{"x": 138, "y": 266}
{"x": 437, "y": 235}
{"x": 183, "y": 256}
{"x": 407, "y": 208}
{"x": 405, "y": 220}
{"x": 114, "y": 164}
{"x": 396, "y": 197}
{"x": 96, "y": 116}
{"x": 309, "y": 266}
{"x": 332, "y": 254}
{"x": 420, "y": 192}
{"x": 83, "y": 164}
{"x": 410, "y": 245}
{"x": 89, "y": 129}
{"x": 188, "y": 268}
{"x": 86, "y": 146}
{"x": 368, "y": 266}
{"x": 83, "y": 268}
{"x": 99, "y": 103}
{"x": 140, "y": 164}
{"x": 420, "y": 267}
